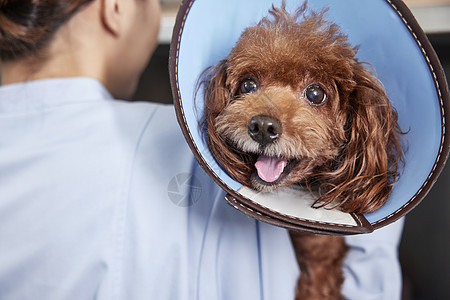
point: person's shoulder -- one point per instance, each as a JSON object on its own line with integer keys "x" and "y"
{"x": 140, "y": 115}
{"x": 143, "y": 107}
{"x": 137, "y": 107}
{"x": 155, "y": 123}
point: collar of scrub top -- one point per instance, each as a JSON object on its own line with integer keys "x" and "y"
{"x": 389, "y": 38}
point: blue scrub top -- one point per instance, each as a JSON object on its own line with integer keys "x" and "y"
{"x": 102, "y": 199}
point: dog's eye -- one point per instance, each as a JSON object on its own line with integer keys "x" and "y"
{"x": 315, "y": 94}
{"x": 249, "y": 85}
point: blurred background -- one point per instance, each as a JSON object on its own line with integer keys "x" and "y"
{"x": 425, "y": 247}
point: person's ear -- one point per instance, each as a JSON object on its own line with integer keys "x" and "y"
{"x": 111, "y": 11}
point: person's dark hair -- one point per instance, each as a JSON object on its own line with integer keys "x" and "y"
{"x": 26, "y": 26}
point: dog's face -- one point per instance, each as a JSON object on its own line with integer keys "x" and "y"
{"x": 285, "y": 106}
{"x": 291, "y": 102}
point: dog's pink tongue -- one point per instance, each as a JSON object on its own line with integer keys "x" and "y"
{"x": 270, "y": 168}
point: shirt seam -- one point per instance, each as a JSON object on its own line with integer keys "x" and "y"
{"x": 119, "y": 255}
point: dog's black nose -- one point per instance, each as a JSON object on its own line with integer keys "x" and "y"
{"x": 264, "y": 129}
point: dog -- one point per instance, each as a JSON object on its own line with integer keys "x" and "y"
{"x": 291, "y": 104}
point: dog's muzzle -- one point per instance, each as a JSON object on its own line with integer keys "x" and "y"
{"x": 264, "y": 129}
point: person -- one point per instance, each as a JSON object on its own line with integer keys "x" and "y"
{"x": 102, "y": 199}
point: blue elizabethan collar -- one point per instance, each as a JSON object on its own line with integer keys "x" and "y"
{"x": 389, "y": 38}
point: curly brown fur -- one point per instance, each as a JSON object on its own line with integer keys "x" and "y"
{"x": 347, "y": 146}
{"x": 320, "y": 258}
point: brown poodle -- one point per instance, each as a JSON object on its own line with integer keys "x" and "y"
{"x": 292, "y": 105}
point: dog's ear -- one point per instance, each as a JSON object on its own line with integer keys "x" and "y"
{"x": 217, "y": 96}
{"x": 216, "y": 92}
{"x": 363, "y": 175}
